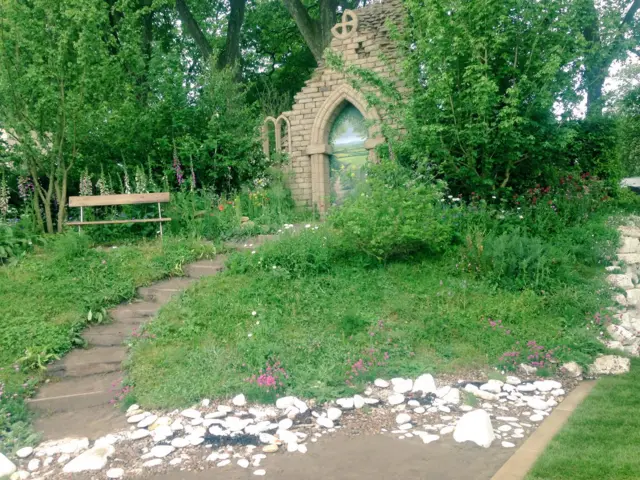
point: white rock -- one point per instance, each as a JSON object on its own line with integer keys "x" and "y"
{"x": 333, "y": 413}
{"x": 152, "y": 463}
{"x": 428, "y": 438}
{"x": 371, "y": 401}
{"x": 19, "y": 475}
{"x": 403, "y": 418}
{"x": 115, "y": 473}
{"x": 24, "y": 452}
{"x": 176, "y": 426}
{"x": 34, "y": 464}
{"x": 507, "y": 419}
{"x": 260, "y": 473}
{"x": 504, "y": 428}
{"x": 526, "y": 387}
{"x": 610, "y": 365}
{"x": 215, "y": 415}
{"x": 547, "y": 385}
{"x": 285, "y": 402}
{"x": 508, "y": 388}
{"x": 537, "y": 403}
{"x": 405, "y": 426}
{"x": 620, "y": 280}
{"x": 191, "y": 413}
{"x": 138, "y": 417}
{"x": 147, "y": 421}
{"x": 324, "y": 422}
{"x": 413, "y": 403}
{"x": 475, "y": 427}
{"x": 175, "y": 461}
{"x": 419, "y": 410}
{"x": 358, "y": 401}
{"x": 205, "y": 402}
{"x": 470, "y": 387}
{"x": 380, "y": 383}
{"x": 511, "y": 380}
{"x": 508, "y": 444}
{"x": 402, "y": 385}
{"x": 161, "y": 451}
{"x": 466, "y": 408}
{"x": 64, "y": 458}
{"x": 285, "y": 424}
{"x": 93, "y": 459}
{"x": 302, "y": 448}
{"x": 243, "y": 463}
{"x": 180, "y": 442}
{"x": 395, "y": 399}
{"x": 484, "y": 395}
{"x": 424, "y": 383}
{"x": 446, "y": 430}
{"x": 161, "y": 433}
{"x": 133, "y": 408}
{"x": 558, "y": 392}
{"x": 536, "y": 418}
{"x": 239, "y": 400}
{"x": 66, "y": 445}
{"x": 452, "y": 397}
{"x": 492, "y": 386}
{"x": 223, "y": 463}
{"x": 225, "y": 409}
{"x": 300, "y": 405}
{"x": 345, "y": 403}
{"x": 528, "y": 369}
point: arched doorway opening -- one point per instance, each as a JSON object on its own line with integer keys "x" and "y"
{"x": 347, "y": 138}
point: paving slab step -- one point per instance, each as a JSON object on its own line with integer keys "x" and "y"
{"x": 205, "y": 268}
{"x": 109, "y": 335}
{"x": 92, "y": 422}
{"x": 82, "y": 363}
{"x": 70, "y": 394}
{"x": 162, "y": 291}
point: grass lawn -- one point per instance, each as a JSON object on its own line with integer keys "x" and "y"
{"x": 335, "y": 327}
{"x": 601, "y": 439}
{"x": 47, "y": 296}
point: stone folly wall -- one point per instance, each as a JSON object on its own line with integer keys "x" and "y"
{"x": 625, "y": 331}
{"x": 361, "y": 38}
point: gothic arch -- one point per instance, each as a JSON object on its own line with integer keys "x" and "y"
{"x": 332, "y": 107}
{"x": 277, "y": 127}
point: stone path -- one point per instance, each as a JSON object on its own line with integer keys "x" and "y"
{"x": 76, "y": 400}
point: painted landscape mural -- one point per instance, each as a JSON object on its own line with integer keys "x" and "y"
{"x": 347, "y": 138}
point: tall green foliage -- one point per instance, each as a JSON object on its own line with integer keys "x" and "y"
{"x": 485, "y": 76}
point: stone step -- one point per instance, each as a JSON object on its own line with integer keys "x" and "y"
{"x": 162, "y": 292}
{"x": 134, "y": 313}
{"x": 82, "y": 363}
{"x": 108, "y": 335}
{"x": 70, "y": 394}
{"x": 92, "y": 422}
{"x": 205, "y": 268}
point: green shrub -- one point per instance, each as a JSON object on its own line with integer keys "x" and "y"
{"x": 396, "y": 216}
{"x": 299, "y": 254}
{"x": 515, "y": 261}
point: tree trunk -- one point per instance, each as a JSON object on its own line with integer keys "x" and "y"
{"x": 599, "y": 56}
{"x": 193, "y": 29}
{"x": 310, "y": 29}
{"x": 36, "y": 211}
{"x": 231, "y": 50}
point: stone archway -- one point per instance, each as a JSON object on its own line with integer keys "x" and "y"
{"x": 319, "y": 149}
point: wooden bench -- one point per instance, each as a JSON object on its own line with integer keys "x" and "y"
{"x": 111, "y": 200}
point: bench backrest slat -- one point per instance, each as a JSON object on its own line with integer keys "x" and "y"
{"x": 130, "y": 199}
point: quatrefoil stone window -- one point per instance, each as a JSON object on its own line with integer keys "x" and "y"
{"x": 347, "y": 27}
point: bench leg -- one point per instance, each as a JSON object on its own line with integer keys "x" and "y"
{"x": 81, "y": 219}
{"x": 160, "y": 217}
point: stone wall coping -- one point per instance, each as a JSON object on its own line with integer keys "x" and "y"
{"x": 319, "y": 148}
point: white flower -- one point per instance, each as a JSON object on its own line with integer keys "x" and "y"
{"x": 258, "y": 322}
{"x": 254, "y": 313}
{"x": 493, "y": 196}
{"x": 456, "y": 199}
{"x": 250, "y": 335}
{"x": 521, "y": 217}
{"x": 442, "y": 199}
{"x": 274, "y": 267}
{"x": 253, "y": 252}
{"x": 307, "y": 225}
{"x": 450, "y": 196}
